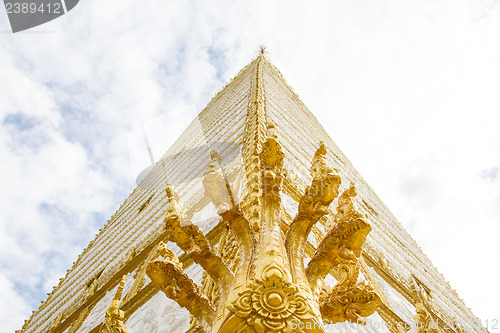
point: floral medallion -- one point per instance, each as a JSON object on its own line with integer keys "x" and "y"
{"x": 269, "y": 305}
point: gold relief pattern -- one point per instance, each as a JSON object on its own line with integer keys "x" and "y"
{"x": 423, "y": 303}
{"x": 342, "y": 244}
{"x": 175, "y": 211}
{"x": 192, "y": 241}
{"x": 347, "y": 209}
{"x": 270, "y": 305}
{"x": 458, "y": 327}
{"x": 215, "y": 188}
{"x": 56, "y": 322}
{"x": 271, "y": 164}
{"x": 91, "y": 288}
{"x": 268, "y": 289}
{"x": 312, "y": 206}
{"x": 252, "y": 143}
{"x": 81, "y": 318}
{"x": 349, "y": 300}
{"x": 252, "y": 202}
{"x": 424, "y": 321}
{"x": 113, "y": 322}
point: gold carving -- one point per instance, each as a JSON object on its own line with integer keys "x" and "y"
{"x": 255, "y": 280}
{"x": 349, "y": 300}
{"x": 81, "y": 318}
{"x": 139, "y": 277}
{"x": 458, "y": 327}
{"x": 216, "y": 190}
{"x": 271, "y": 162}
{"x": 312, "y": 206}
{"x": 424, "y": 321}
{"x": 422, "y": 300}
{"x": 255, "y": 132}
{"x": 347, "y": 208}
{"x": 192, "y": 241}
{"x": 113, "y": 322}
{"x": 343, "y": 242}
{"x": 175, "y": 214}
{"x": 341, "y": 247}
{"x": 270, "y": 305}
{"x": 167, "y": 275}
{"x": 268, "y": 289}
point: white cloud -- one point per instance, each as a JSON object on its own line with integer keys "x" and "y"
{"x": 408, "y": 90}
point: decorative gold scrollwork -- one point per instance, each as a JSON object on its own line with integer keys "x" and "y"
{"x": 422, "y": 300}
{"x": 349, "y": 300}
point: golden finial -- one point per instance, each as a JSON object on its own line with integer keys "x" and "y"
{"x": 262, "y": 51}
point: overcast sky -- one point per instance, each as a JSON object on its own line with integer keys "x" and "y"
{"x": 409, "y": 90}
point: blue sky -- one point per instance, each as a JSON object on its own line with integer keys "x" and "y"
{"x": 407, "y": 89}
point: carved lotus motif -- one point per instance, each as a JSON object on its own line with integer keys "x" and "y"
{"x": 274, "y": 300}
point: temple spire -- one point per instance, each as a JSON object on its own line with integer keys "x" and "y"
{"x": 255, "y": 135}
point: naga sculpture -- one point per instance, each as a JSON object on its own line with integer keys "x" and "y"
{"x": 270, "y": 289}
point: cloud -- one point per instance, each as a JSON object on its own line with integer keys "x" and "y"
{"x": 13, "y": 312}
{"x": 490, "y": 174}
